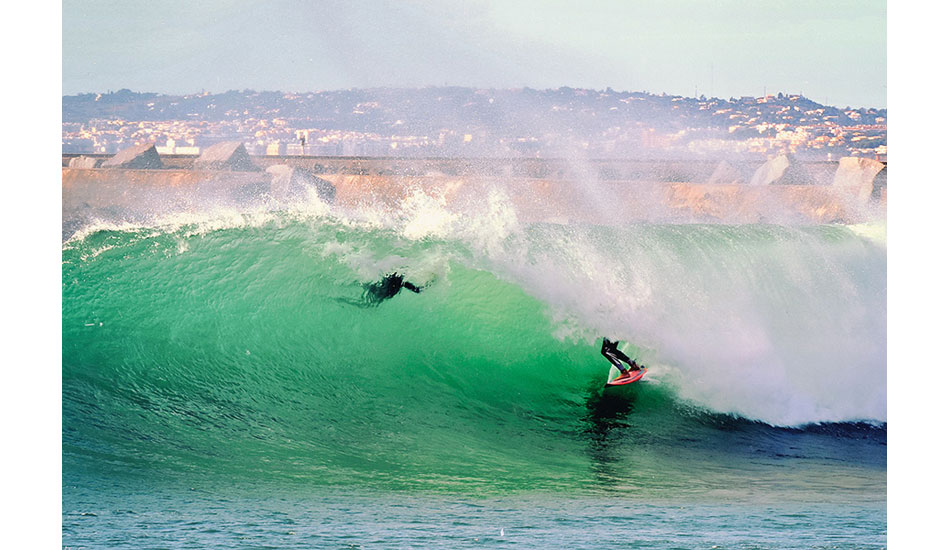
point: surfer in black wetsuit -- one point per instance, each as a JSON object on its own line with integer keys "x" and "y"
{"x": 616, "y": 357}
{"x": 388, "y": 287}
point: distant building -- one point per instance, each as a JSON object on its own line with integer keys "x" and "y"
{"x": 167, "y": 149}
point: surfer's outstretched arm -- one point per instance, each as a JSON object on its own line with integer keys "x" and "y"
{"x": 409, "y": 286}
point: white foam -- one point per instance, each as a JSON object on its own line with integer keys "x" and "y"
{"x": 787, "y": 331}
{"x": 425, "y": 215}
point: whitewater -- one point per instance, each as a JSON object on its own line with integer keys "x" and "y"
{"x": 233, "y": 346}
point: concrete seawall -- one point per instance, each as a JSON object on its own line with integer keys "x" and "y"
{"x": 130, "y": 193}
{"x": 695, "y": 171}
{"x": 98, "y": 187}
{"x": 552, "y": 200}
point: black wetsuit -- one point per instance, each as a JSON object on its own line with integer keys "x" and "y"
{"x": 388, "y": 287}
{"x": 609, "y": 350}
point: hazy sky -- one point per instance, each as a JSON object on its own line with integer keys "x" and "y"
{"x": 832, "y": 51}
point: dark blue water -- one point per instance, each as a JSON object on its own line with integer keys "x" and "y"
{"x": 227, "y": 517}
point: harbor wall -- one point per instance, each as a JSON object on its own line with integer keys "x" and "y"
{"x": 88, "y": 192}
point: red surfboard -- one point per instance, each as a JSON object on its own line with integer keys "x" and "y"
{"x": 621, "y": 380}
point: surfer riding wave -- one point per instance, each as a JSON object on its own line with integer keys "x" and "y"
{"x": 388, "y": 287}
{"x": 617, "y": 358}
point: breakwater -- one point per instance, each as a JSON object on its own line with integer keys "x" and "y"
{"x": 778, "y": 191}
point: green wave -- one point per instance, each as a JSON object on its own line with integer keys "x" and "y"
{"x": 250, "y": 352}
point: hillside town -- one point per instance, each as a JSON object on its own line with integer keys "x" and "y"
{"x": 469, "y": 122}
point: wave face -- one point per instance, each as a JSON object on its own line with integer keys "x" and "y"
{"x": 243, "y": 344}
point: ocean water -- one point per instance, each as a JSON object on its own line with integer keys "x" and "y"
{"x": 227, "y": 382}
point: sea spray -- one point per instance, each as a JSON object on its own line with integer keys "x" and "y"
{"x": 784, "y": 324}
